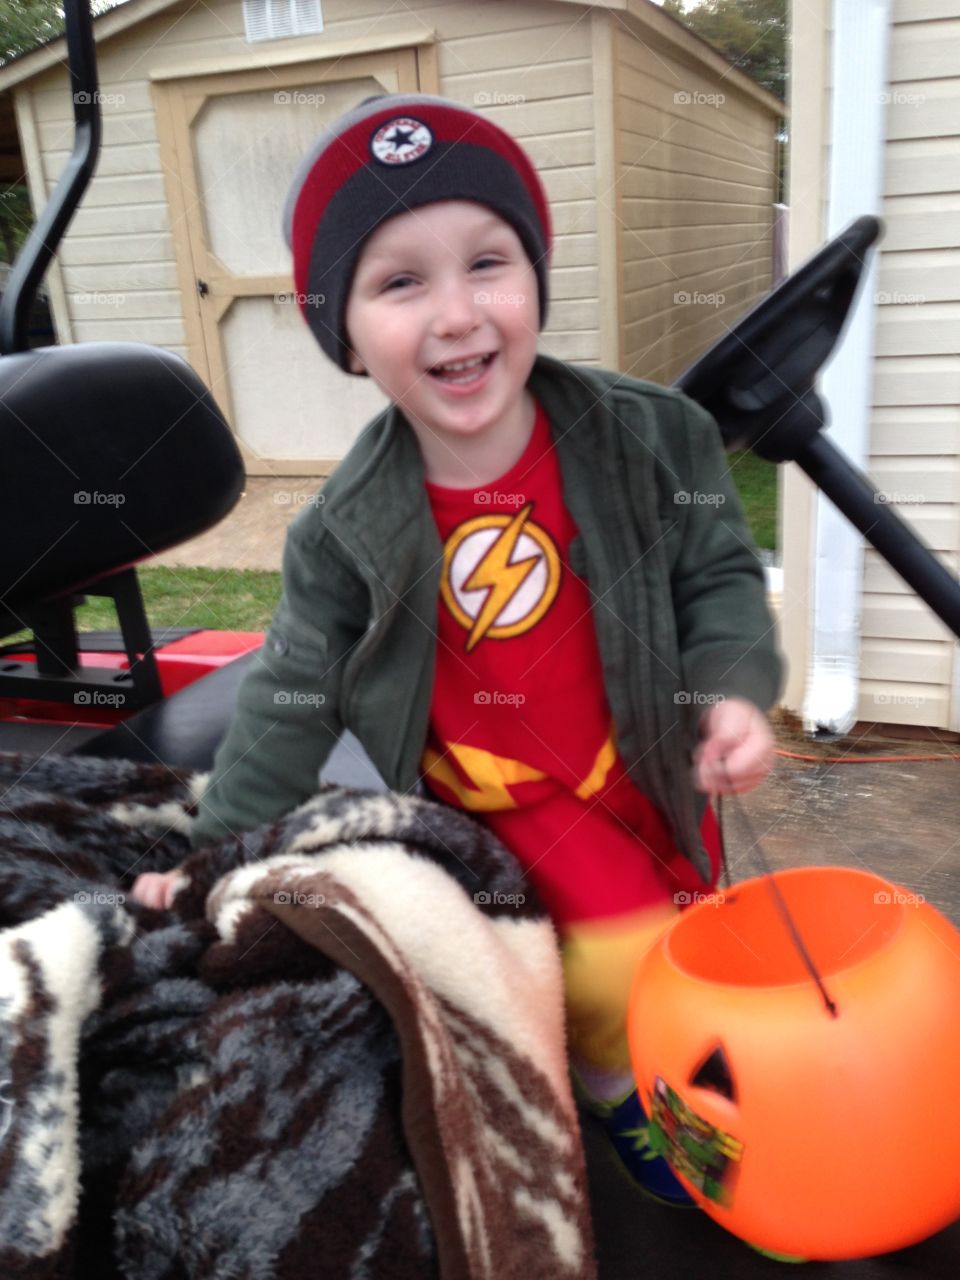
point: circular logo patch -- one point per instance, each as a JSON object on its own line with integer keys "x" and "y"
{"x": 501, "y": 574}
{"x": 400, "y": 141}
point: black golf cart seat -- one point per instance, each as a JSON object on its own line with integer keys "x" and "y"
{"x": 113, "y": 452}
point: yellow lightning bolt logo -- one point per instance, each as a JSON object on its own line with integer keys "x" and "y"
{"x": 491, "y": 571}
{"x": 503, "y": 578}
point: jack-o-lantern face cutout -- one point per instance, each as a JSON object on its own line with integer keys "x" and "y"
{"x": 714, "y": 1073}
{"x": 783, "y": 1120}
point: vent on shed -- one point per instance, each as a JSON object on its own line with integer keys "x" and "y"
{"x": 275, "y": 19}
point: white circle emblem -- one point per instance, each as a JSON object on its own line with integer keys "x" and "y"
{"x": 519, "y": 603}
{"x": 401, "y": 141}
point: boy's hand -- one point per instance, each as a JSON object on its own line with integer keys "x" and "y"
{"x": 735, "y": 751}
{"x": 155, "y": 890}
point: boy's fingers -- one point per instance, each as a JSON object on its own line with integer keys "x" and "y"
{"x": 750, "y": 757}
{"x": 140, "y": 890}
{"x": 740, "y": 768}
{"x": 741, "y": 771}
{"x": 154, "y": 889}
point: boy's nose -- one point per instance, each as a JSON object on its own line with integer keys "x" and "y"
{"x": 459, "y": 306}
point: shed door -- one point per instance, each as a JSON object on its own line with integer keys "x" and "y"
{"x": 230, "y": 145}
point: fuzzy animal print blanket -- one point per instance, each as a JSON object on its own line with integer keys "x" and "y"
{"x": 339, "y": 1054}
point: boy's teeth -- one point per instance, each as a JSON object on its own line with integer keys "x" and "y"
{"x": 461, "y": 364}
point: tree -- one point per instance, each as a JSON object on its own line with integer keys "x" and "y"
{"x": 25, "y": 24}
{"x": 752, "y": 34}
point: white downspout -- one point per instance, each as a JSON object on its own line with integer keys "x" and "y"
{"x": 861, "y": 34}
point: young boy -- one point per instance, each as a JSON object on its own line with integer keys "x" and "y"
{"x": 530, "y": 584}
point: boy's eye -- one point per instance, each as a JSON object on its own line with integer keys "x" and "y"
{"x": 480, "y": 262}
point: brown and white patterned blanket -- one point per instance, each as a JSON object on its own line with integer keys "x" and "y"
{"x": 340, "y": 1054}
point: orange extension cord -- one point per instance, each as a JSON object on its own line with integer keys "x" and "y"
{"x": 795, "y": 755}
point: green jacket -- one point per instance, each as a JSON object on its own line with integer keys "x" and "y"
{"x": 679, "y": 603}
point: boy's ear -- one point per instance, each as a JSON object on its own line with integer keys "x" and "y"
{"x": 355, "y": 363}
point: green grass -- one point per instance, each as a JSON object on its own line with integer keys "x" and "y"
{"x": 756, "y": 483}
{"x": 223, "y": 600}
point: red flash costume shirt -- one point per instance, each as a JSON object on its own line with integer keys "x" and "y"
{"x": 520, "y": 728}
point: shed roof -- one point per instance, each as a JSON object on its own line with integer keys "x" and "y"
{"x": 124, "y": 16}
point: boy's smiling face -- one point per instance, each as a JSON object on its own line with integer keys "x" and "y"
{"x": 448, "y": 282}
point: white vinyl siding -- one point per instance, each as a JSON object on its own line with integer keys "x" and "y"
{"x": 907, "y": 654}
{"x": 697, "y": 184}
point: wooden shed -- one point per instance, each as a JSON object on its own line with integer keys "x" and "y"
{"x": 876, "y": 129}
{"x": 658, "y": 157}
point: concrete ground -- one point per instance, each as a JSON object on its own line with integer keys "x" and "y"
{"x": 863, "y": 801}
{"x": 251, "y": 536}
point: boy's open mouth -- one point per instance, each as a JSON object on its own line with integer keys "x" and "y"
{"x": 462, "y": 371}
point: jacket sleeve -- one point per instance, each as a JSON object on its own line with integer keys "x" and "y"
{"x": 288, "y": 712}
{"x": 725, "y": 629}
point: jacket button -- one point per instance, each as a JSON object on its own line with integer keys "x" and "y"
{"x": 279, "y": 644}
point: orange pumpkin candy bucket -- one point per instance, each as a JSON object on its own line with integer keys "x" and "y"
{"x": 825, "y": 1134}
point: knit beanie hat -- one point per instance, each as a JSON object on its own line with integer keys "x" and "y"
{"x": 389, "y": 155}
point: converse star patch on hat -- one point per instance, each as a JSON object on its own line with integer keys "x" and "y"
{"x": 401, "y": 141}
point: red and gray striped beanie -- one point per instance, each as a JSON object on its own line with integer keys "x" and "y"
{"x": 387, "y": 156}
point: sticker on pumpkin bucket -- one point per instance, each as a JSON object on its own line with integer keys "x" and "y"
{"x": 706, "y": 1156}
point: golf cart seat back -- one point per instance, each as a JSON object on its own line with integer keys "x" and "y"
{"x": 112, "y": 451}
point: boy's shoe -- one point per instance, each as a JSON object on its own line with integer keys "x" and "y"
{"x": 627, "y": 1126}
